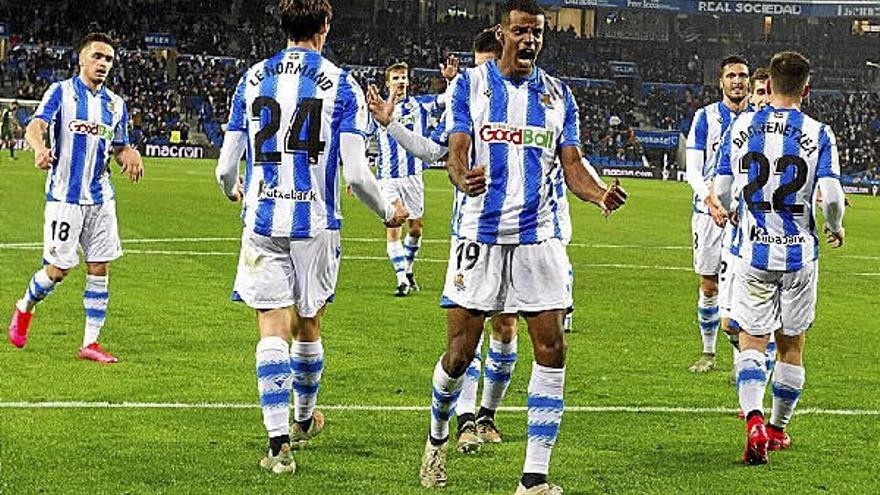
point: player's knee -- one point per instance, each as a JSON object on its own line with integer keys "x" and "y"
{"x": 56, "y": 274}
{"x": 456, "y": 362}
{"x": 551, "y": 353}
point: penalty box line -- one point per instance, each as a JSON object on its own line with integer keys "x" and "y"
{"x": 390, "y": 408}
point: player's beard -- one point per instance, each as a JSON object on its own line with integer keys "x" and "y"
{"x": 736, "y": 100}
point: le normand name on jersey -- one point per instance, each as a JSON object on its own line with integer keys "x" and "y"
{"x": 295, "y": 67}
{"x": 807, "y": 144}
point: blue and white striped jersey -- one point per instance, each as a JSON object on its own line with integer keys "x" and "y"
{"x": 294, "y": 106}
{"x": 776, "y": 157}
{"x": 517, "y": 129}
{"x": 394, "y": 161}
{"x": 709, "y": 124}
{"x": 84, "y": 126}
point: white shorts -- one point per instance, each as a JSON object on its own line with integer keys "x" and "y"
{"x": 507, "y": 278}
{"x": 279, "y": 272}
{"x": 410, "y": 190}
{"x": 726, "y": 276}
{"x": 764, "y": 301}
{"x": 92, "y": 227}
{"x": 706, "y": 238}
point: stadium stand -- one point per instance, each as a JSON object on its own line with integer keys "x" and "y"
{"x": 185, "y": 95}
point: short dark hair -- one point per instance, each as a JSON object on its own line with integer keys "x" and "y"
{"x": 95, "y": 37}
{"x": 789, "y": 72}
{"x": 760, "y": 74}
{"x": 396, "y": 66}
{"x": 487, "y": 42}
{"x": 729, "y": 60}
{"x": 302, "y": 19}
{"x": 527, "y": 6}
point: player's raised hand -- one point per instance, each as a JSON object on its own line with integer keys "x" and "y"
{"x": 614, "y": 198}
{"x": 43, "y": 158}
{"x": 449, "y": 69}
{"x": 400, "y": 214}
{"x": 835, "y": 239}
{"x": 382, "y": 109}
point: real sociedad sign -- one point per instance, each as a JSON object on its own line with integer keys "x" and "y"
{"x": 841, "y": 8}
{"x": 160, "y": 40}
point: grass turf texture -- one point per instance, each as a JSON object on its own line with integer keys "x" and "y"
{"x": 180, "y": 339}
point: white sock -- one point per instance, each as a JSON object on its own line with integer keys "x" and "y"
{"x": 545, "y": 406}
{"x": 39, "y": 288}
{"x": 411, "y": 245}
{"x": 467, "y": 400}
{"x": 770, "y": 355}
{"x": 95, "y": 300}
{"x": 500, "y": 362}
{"x": 398, "y": 260}
{"x": 444, "y": 397}
{"x": 307, "y": 364}
{"x": 751, "y": 380}
{"x": 707, "y": 315}
{"x": 788, "y": 381}
{"x": 273, "y": 382}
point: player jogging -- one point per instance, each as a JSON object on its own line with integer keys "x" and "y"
{"x": 519, "y": 119}
{"x": 708, "y": 126}
{"x": 88, "y": 123}
{"x": 771, "y": 163}
{"x": 400, "y": 174}
{"x": 297, "y": 115}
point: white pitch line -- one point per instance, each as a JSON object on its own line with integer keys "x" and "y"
{"x": 389, "y": 408}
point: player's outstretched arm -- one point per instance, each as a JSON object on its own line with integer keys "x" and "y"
{"x": 471, "y": 181}
{"x": 583, "y": 185}
{"x": 363, "y": 183}
{"x": 234, "y": 145}
{"x": 426, "y": 150}
{"x": 35, "y": 135}
{"x": 129, "y": 158}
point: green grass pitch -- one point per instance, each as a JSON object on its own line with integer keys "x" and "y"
{"x": 181, "y": 340}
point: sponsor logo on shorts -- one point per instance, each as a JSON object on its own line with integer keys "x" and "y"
{"x": 518, "y": 136}
{"x": 761, "y": 236}
{"x": 90, "y": 129}
{"x": 266, "y": 192}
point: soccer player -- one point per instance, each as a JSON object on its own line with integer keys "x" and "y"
{"x": 88, "y": 126}
{"x": 758, "y": 98}
{"x": 507, "y": 255}
{"x": 708, "y": 126}
{"x": 297, "y": 115}
{"x": 400, "y": 174}
{"x": 474, "y": 428}
{"x": 7, "y": 128}
{"x": 771, "y": 163}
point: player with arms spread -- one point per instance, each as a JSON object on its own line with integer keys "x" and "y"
{"x": 297, "y": 115}
{"x": 771, "y": 163}
{"x": 704, "y": 137}
{"x": 88, "y": 126}
{"x": 507, "y": 255}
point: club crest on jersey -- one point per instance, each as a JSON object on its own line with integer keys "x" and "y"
{"x": 547, "y": 101}
{"x": 518, "y": 136}
{"x": 111, "y": 107}
{"x": 90, "y": 129}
